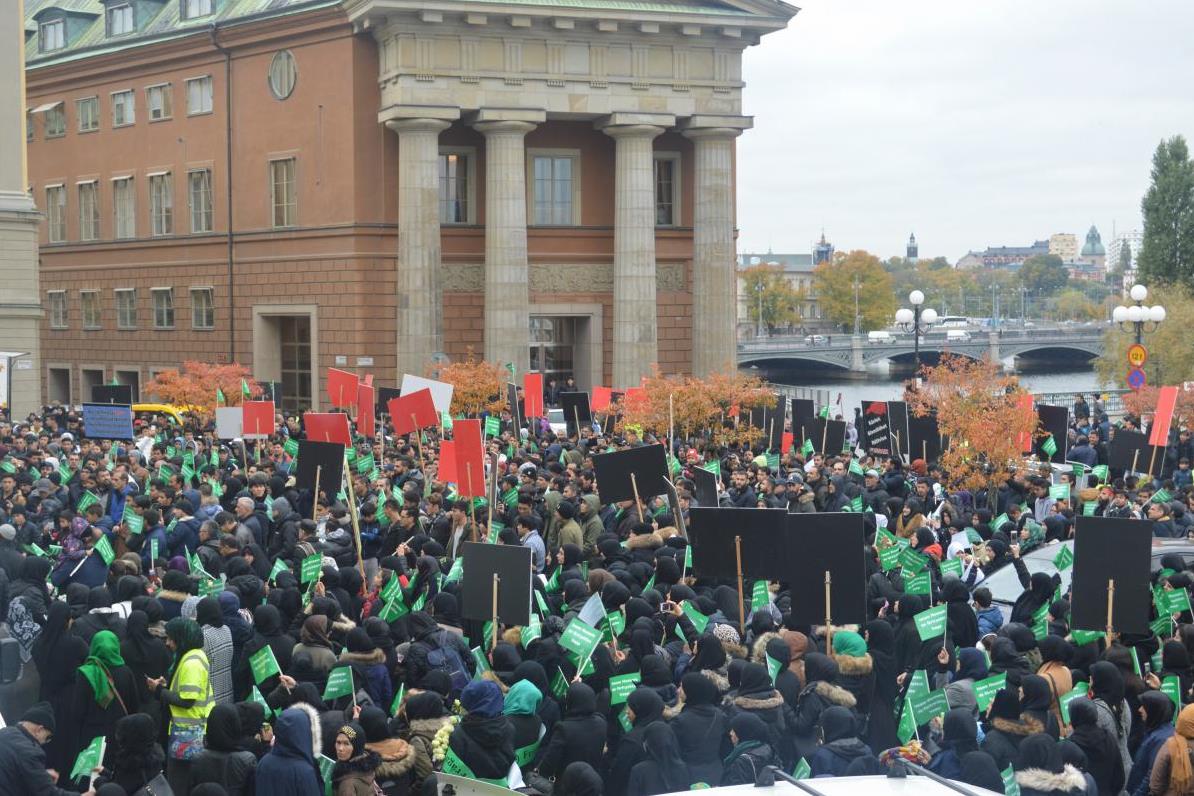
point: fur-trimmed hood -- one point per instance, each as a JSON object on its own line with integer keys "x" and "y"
{"x": 397, "y": 757}
{"x": 1070, "y": 779}
{"x": 316, "y": 729}
{"x": 1026, "y": 725}
{"x": 734, "y": 650}
{"x": 175, "y": 596}
{"x": 750, "y": 703}
{"x": 758, "y": 649}
{"x": 644, "y": 541}
{"x": 719, "y": 679}
{"x": 835, "y": 694}
{"x": 369, "y": 658}
{"x": 427, "y": 728}
{"x": 849, "y": 666}
{"x": 363, "y": 766}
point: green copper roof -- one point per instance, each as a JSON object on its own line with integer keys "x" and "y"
{"x": 155, "y": 20}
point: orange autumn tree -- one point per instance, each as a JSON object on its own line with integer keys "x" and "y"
{"x": 195, "y": 386}
{"x": 695, "y": 406}
{"x": 477, "y": 386}
{"x": 1143, "y": 403}
{"x": 977, "y": 407}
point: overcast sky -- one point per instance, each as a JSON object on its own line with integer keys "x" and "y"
{"x": 970, "y": 123}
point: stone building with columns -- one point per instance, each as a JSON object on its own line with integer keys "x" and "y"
{"x": 376, "y": 184}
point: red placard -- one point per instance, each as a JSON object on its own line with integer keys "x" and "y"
{"x": 342, "y": 388}
{"x": 412, "y": 411}
{"x": 258, "y": 418}
{"x": 1163, "y": 417}
{"x": 470, "y": 458}
{"x": 1024, "y": 438}
{"x": 532, "y": 394}
{"x": 446, "y": 472}
{"x": 787, "y": 441}
{"x": 327, "y": 427}
{"x": 602, "y": 397}
{"x": 366, "y": 423}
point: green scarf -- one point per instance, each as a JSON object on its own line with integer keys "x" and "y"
{"x": 102, "y": 658}
{"x": 742, "y": 748}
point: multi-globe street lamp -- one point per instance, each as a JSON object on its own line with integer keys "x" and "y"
{"x": 917, "y": 320}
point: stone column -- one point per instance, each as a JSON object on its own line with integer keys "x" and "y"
{"x": 20, "y": 291}
{"x": 507, "y": 295}
{"x": 420, "y": 321}
{"x": 714, "y": 282}
{"x": 635, "y": 314}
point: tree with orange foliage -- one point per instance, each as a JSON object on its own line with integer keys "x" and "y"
{"x": 695, "y": 406}
{"x": 196, "y": 384}
{"x": 1143, "y": 403}
{"x": 478, "y": 386}
{"x": 978, "y": 408}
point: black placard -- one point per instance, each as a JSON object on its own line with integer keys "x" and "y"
{"x": 876, "y": 431}
{"x": 384, "y": 396}
{"x": 576, "y": 410}
{"x": 514, "y": 404}
{"x": 112, "y": 394}
{"x": 648, "y": 465}
{"x": 773, "y": 425}
{"x": 828, "y": 436}
{"x": 705, "y": 484}
{"x": 820, "y": 543}
{"x": 271, "y": 391}
{"x": 803, "y": 409}
{"x": 328, "y": 458}
{"x": 1054, "y": 420}
{"x": 512, "y": 565}
{"x": 712, "y": 533}
{"x": 1110, "y": 549}
{"x": 924, "y": 438}
{"x": 1129, "y": 452}
{"x": 897, "y": 425}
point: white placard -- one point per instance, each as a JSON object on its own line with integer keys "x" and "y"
{"x": 230, "y": 422}
{"x": 441, "y": 392}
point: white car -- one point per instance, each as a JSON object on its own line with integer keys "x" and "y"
{"x": 555, "y": 418}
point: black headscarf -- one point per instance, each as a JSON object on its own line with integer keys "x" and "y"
{"x": 145, "y": 654}
{"x": 709, "y": 655}
{"x": 880, "y": 643}
{"x": 661, "y": 746}
{"x": 207, "y": 613}
{"x": 579, "y": 779}
{"x": 646, "y": 704}
{"x": 1041, "y": 752}
{"x": 224, "y": 729}
{"x": 979, "y": 769}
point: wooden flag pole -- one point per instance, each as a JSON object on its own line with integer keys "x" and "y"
{"x": 472, "y": 504}
{"x": 741, "y": 603}
{"x": 576, "y": 420}
{"x": 1110, "y": 607}
{"x": 493, "y": 636}
{"x": 418, "y": 443}
{"x": 824, "y": 435}
{"x": 828, "y": 614}
{"x": 244, "y": 453}
{"x": 924, "y": 451}
{"x": 1135, "y": 456}
{"x": 356, "y": 521}
{"x": 1151, "y": 461}
{"x": 638, "y": 503}
{"x": 315, "y": 494}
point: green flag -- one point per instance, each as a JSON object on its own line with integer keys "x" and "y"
{"x": 713, "y": 467}
{"x": 807, "y": 449}
{"x": 104, "y": 548}
{"x": 802, "y": 770}
{"x": 580, "y": 640}
{"x": 1060, "y": 491}
{"x": 855, "y": 468}
{"x": 263, "y": 664}
{"x": 244, "y": 388}
{"x": 397, "y": 703}
{"x": 984, "y": 690}
{"x": 311, "y": 568}
{"x": 760, "y": 596}
{"x": 339, "y": 683}
{"x": 1010, "y": 786}
{"x": 90, "y": 758}
{"x": 1161, "y": 496}
{"x": 773, "y": 668}
{"x": 493, "y": 426}
{"x": 952, "y": 566}
{"x": 86, "y": 500}
{"x": 620, "y": 687}
{"x": 907, "y": 725}
{"x": 1049, "y": 446}
{"x": 930, "y": 624}
{"x": 1101, "y": 472}
{"x": 220, "y": 399}
{"x": 1064, "y": 559}
{"x": 921, "y": 583}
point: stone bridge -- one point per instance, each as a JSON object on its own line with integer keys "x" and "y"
{"x": 855, "y": 353}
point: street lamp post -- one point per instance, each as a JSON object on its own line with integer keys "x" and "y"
{"x": 1134, "y": 318}
{"x": 916, "y": 320}
{"x": 759, "y": 320}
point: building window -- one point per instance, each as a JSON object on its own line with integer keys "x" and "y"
{"x": 159, "y": 101}
{"x": 120, "y": 19}
{"x": 124, "y": 208}
{"x": 199, "y": 95}
{"x": 283, "y": 74}
{"x": 454, "y": 205}
{"x": 554, "y": 182}
{"x": 667, "y": 184}
{"x": 91, "y": 309}
{"x": 283, "y": 193}
{"x": 203, "y": 308}
{"x": 163, "y": 307}
{"x": 52, "y": 35}
{"x": 56, "y": 213}
{"x": 89, "y": 213}
{"x": 56, "y": 121}
{"x": 123, "y": 108}
{"x": 161, "y": 204}
{"x": 57, "y": 300}
{"x": 87, "y": 110}
{"x": 29, "y": 126}
{"x": 199, "y": 199}
{"x": 195, "y": 8}
{"x": 126, "y": 308}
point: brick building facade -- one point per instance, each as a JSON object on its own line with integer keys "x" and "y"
{"x": 345, "y": 144}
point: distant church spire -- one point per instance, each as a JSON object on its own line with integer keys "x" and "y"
{"x": 912, "y": 253}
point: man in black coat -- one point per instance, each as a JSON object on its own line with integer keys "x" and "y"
{"x": 22, "y": 759}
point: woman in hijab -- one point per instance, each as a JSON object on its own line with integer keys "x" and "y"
{"x": 241, "y": 630}
{"x": 521, "y": 709}
{"x": 1175, "y": 662}
{"x": 105, "y": 691}
{"x": 176, "y": 588}
{"x": 881, "y": 726}
{"x": 656, "y": 675}
{"x": 1103, "y": 762}
{"x": 579, "y": 779}
{"x": 1055, "y": 657}
{"x": 1004, "y": 658}
{"x": 314, "y": 641}
{"x": 750, "y": 752}
{"x": 578, "y": 736}
{"x": 31, "y": 586}
{"x": 147, "y": 658}
{"x": 961, "y": 619}
{"x": 1172, "y": 772}
{"x": 700, "y": 727}
{"x": 224, "y": 759}
{"x": 643, "y": 708}
{"x": 662, "y": 769}
{"x": 57, "y": 653}
{"x": 709, "y": 660}
{"x": 1041, "y": 770}
{"x": 484, "y": 739}
{"x": 1156, "y": 712}
{"x": 840, "y": 746}
{"x": 856, "y": 669}
{"x": 396, "y": 757}
{"x": 445, "y": 610}
{"x": 423, "y": 715}
{"x": 549, "y": 709}
{"x": 268, "y": 631}
{"x": 1039, "y": 589}
{"x": 136, "y": 757}
{"x": 1106, "y": 690}
{"x": 910, "y": 652}
{"x": 217, "y": 645}
{"x": 1036, "y": 700}
{"x": 978, "y": 769}
{"x": 960, "y": 739}
{"x": 910, "y": 519}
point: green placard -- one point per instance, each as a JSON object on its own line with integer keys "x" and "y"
{"x": 1008, "y": 775}
{"x": 912, "y": 561}
{"x": 1178, "y": 601}
{"x": 35, "y": 549}
{"x": 90, "y": 758}
{"x": 919, "y": 584}
{"x": 279, "y": 568}
{"x": 339, "y": 683}
{"x": 802, "y": 770}
{"x": 153, "y": 550}
{"x": 621, "y": 686}
{"x": 952, "y": 566}
{"x": 773, "y": 667}
{"x": 311, "y": 568}
{"x": 984, "y": 690}
{"x": 559, "y": 684}
{"x": 614, "y": 625}
{"x": 104, "y": 548}
{"x": 481, "y": 663}
{"x": 326, "y": 764}
{"x": 531, "y": 632}
{"x": 1060, "y": 491}
{"x": 1171, "y": 687}
{"x": 135, "y": 523}
{"x": 1063, "y": 701}
{"x": 580, "y": 640}
{"x": 930, "y": 624}
{"x": 760, "y": 597}
{"x": 1161, "y": 626}
{"x": 889, "y": 557}
{"x": 256, "y": 696}
{"x": 1089, "y": 508}
{"x": 1081, "y": 637}
{"x": 493, "y": 426}
{"x": 999, "y": 522}
{"x": 1064, "y": 559}
{"x": 397, "y": 703}
{"x": 264, "y": 664}
{"x": 1101, "y": 472}
{"x": 392, "y": 589}
{"x": 930, "y": 705}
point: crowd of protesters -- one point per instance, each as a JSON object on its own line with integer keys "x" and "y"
{"x": 141, "y": 578}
